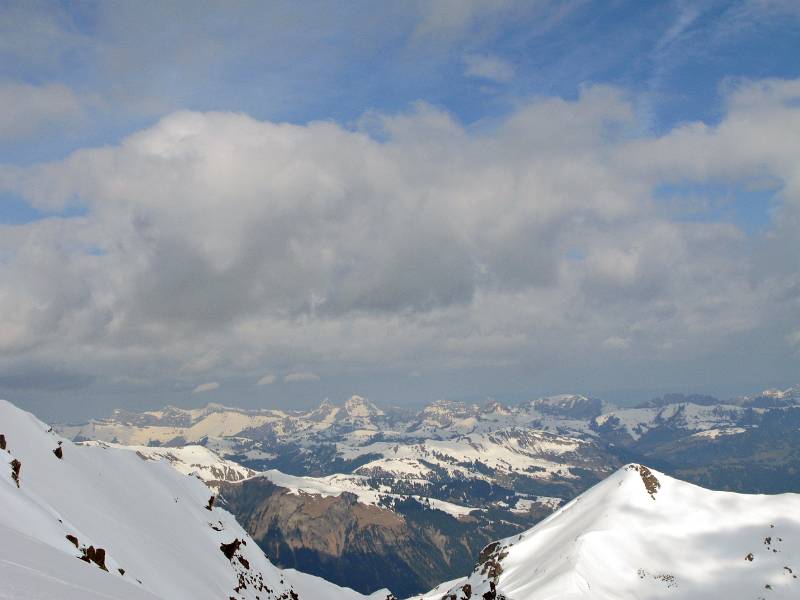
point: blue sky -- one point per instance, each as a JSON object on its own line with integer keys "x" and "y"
{"x": 88, "y": 84}
{"x": 297, "y": 62}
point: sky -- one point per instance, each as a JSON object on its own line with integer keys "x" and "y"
{"x": 272, "y": 203}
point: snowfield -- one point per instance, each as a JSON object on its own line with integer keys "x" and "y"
{"x": 189, "y": 460}
{"x": 641, "y": 535}
{"x": 143, "y": 529}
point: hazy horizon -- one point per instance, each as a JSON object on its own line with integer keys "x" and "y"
{"x": 101, "y": 407}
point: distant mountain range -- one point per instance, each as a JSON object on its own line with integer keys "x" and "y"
{"x": 450, "y": 472}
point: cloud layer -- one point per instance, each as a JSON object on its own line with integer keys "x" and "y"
{"x": 214, "y": 245}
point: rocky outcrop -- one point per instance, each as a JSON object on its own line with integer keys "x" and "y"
{"x": 94, "y": 555}
{"x": 16, "y": 467}
{"x": 229, "y": 549}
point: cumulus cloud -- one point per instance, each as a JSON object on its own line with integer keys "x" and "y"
{"x": 488, "y": 67}
{"x": 216, "y": 243}
{"x": 267, "y": 380}
{"x": 206, "y": 387}
{"x": 300, "y": 376}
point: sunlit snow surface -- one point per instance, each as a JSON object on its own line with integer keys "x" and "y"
{"x": 151, "y": 520}
{"x": 617, "y": 541}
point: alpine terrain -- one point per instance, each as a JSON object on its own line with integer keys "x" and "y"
{"x": 372, "y": 497}
{"x": 92, "y": 523}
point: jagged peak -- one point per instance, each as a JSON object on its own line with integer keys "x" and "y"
{"x": 358, "y": 406}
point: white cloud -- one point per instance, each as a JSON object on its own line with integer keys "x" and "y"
{"x": 217, "y": 243}
{"x": 488, "y": 67}
{"x": 267, "y": 380}
{"x": 28, "y": 108}
{"x": 205, "y": 387}
{"x": 301, "y": 376}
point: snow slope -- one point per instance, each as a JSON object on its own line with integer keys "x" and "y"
{"x": 189, "y": 460}
{"x": 641, "y": 535}
{"x": 159, "y": 540}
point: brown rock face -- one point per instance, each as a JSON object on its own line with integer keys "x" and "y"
{"x": 408, "y": 550}
{"x": 210, "y": 504}
{"x": 650, "y": 481}
{"x": 95, "y": 555}
{"x": 59, "y": 453}
{"x": 2, "y": 442}
{"x": 490, "y": 560}
{"x": 72, "y": 539}
{"x": 230, "y": 549}
{"x": 16, "y": 467}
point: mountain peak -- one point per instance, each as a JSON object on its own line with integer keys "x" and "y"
{"x": 642, "y": 534}
{"x": 493, "y": 406}
{"x": 772, "y": 398}
{"x": 359, "y": 407}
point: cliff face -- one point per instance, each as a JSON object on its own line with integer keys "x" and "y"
{"x": 407, "y": 548}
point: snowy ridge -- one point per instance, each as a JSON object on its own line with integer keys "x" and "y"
{"x": 503, "y": 451}
{"x": 641, "y": 535}
{"x": 189, "y": 460}
{"x": 99, "y": 522}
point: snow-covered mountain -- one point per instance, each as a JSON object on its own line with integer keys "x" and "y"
{"x": 772, "y": 398}
{"x": 484, "y": 467}
{"x": 642, "y": 535}
{"x": 98, "y": 522}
